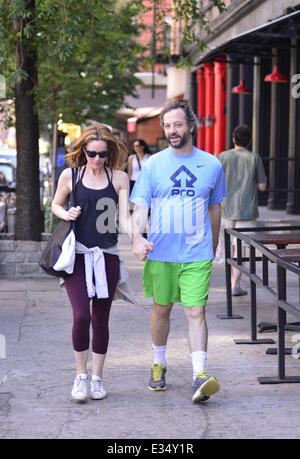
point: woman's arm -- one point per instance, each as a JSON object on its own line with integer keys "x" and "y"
{"x": 64, "y": 188}
{"x": 121, "y": 184}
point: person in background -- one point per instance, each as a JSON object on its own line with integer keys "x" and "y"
{"x": 137, "y": 159}
{"x": 245, "y": 175}
{"x": 3, "y": 180}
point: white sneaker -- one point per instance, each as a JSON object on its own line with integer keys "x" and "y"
{"x": 80, "y": 388}
{"x": 97, "y": 391}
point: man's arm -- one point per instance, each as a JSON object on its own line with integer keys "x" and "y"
{"x": 262, "y": 186}
{"x": 214, "y": 212}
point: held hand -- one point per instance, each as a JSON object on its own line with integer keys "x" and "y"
{"x": 73, "y": 213}
{"x": 141, "y": 248}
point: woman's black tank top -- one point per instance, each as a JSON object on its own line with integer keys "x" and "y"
{"x": 96, "y": 225}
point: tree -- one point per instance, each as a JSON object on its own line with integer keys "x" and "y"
{"x": 89, "y": 78}
{"x": 193, "y": 15}
{"x": 76, "y": 58}
{"x": 28, "y": 217}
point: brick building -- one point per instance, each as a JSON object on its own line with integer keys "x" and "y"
{"x": 236, "y": 81}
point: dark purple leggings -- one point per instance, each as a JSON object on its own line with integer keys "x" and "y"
{"x": 77, "y": 292}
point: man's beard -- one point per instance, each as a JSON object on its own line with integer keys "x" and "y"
{"x": 179, "y": 141}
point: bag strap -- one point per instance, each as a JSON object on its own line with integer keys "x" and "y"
{"x": 138, "y": 160}
{"x": 72, "y": 198}
{"x": 72, "y": 195}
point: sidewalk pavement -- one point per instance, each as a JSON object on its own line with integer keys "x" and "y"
{"x": 38, "y": 372}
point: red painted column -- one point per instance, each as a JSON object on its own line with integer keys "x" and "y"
{"x": 201, "y": 107}
{"x": 209, "y": 77}
{"x": 220, "y": 107}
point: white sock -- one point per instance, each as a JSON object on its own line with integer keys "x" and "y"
{"x": 199, "y": 359}
{"x": 159, "y": 354}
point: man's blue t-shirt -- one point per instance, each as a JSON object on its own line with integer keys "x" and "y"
{"x": 179, "y": 189}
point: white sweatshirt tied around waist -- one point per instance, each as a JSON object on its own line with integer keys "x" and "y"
{"x": 94, "y": 263}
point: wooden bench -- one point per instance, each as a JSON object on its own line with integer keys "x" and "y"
{"x": 281, "y": 240}
{"x": 290, "y": 255}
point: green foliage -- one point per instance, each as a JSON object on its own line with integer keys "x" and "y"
{"x": 86, "y": 55}
{"x": 87, "y": 51}
{"x": 193, "y": 14}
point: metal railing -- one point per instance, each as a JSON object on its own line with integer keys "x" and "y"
{"x": 278, "y": 294}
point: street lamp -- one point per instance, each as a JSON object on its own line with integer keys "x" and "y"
{"x": 275, "y": 76}
{"x": 241, "y": 89}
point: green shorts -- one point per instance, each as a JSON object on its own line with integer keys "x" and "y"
{"x": 187, "y": 283}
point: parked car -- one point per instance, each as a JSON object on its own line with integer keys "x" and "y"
{"x": 7, "y": 195}
{"x": 8, "y": 153}
{"x": 8, "y": 166}
{"x": 7, "y": 173}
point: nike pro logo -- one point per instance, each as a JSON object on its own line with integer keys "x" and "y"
{"x": 183, "y": 177}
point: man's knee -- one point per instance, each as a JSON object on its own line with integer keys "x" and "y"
{"x": 161, "y": 310}
{"x": 195, "y": 313}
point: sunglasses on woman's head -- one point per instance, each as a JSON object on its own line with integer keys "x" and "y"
{"x": 93, "y": 154}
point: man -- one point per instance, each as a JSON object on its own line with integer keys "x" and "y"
{"x": 244, "y": 174}
{"x": 184, "y": 187}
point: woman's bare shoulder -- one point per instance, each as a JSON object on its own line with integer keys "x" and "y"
{"x": 65, "y": 178}
{"x": 120, "y": 179}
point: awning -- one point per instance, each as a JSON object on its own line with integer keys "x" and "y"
{"x": 132, "y": 116}
{"x": 140, "y": 113}
{"x": 259, "y": 41}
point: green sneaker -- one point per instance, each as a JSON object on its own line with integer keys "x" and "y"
{"x": 157, "y": 378}
{"x": 204, "y": 386}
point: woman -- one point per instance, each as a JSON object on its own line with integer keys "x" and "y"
{"x": 141, "y": 153}
{"x": 101, "y": 186}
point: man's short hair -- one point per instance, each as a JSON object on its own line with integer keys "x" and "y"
{"x": 242, "y": 135}
{"x": 190, "y": 117}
